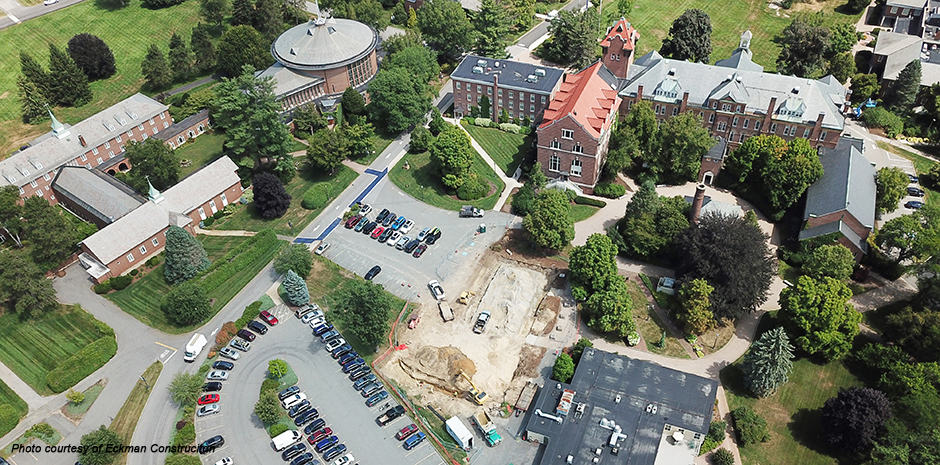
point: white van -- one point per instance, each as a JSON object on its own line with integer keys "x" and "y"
{"x": 286, "y": 439}
{"x": 293, "y": 400}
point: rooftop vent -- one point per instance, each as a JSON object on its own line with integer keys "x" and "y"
{"x": 672, "y": 71}
{"x": 331, "y": 29}
{"x": 477, "y": 70}
{"x": 531, "y": 78}
{"x": 108, "y": 125}
{"x": 796, "y": 90}
{"x": 540, "y": 72}
{"x": 81, "y": 140}
{"x": 737, "y": 79}
{"x": 481, "y": 63}
{"x": 293, "y": 51}
{"x": 730, "y": 77}
{"x": 309, "y": 31}
{"x": 23, "y": 171}
{"x": 496, "y": 64}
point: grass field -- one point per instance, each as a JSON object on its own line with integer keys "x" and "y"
{"x": 729, "y": 18}
{"x": 127, "y": 31}
{"x": 508, "y": 150}
{"x": 77, "y": 411}
{"x": 36, "y": 348}
{"x": 142, "y": 299}
{"x": 381, "y": 142}
{"x": 200, "y": 151}
{"x": 248, "y": 219}
{"x": 922, "y": 164}
{"x": 582, "y": 212}
{"x": 125, "y": 422}
{"x": 792, "y": 413}
{"x": 423, "y": 182}
{"x": 8, "y": 396}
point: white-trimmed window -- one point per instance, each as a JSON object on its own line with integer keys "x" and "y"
{"x": 155, "y": 242}
{"x": 500, "y": 93}
{"x": 656, "y": 110}
{"x": 725, "y": 107}
{"x": 142, "y": 249}
{"x": 722, "y": 126}
{"x": 806, "y": 133}
{"x": 224, "y": 200}
{"x": 773, "y": 128}
{"x": 39, "y": 192}
{"x": 554, "y": 163}
{"x": 22, "y": 191}
{"x": 757, "y": 125}
{"x": 479, "y": 88}
{"x": 94, "y": 150}
{"x": 576, "y": 167}
{"x": 532, "y": 108}
{"x": 110, "y": 153}
{"x": 46, "y": 176}
{"x": 511, "y": 94}
{"x": 107, "y": 145}
{"x": 745, "y": 123}
{"x": 675, "y": 111}
{"x": 457, "y": 85}
{"x": 532, "y": 98}
{"x": 162, "y": 115}
{"x": 143, "y": 136}
{"x": 662, "y": 111}
{"x": 99, "y": 160}
{"x": 84, "y": 157}
{"x": 130, "y": 134}
{"x": 130, "y": 257}
{"x": 714, "y": 105}
{"x": 489, "y": 91}
{"x": 122, "y": 149}
{"x": 543, "y": 99}
{"x": 151, "y": 121}
{"x": 166, "y": 125}
{"x": 734, "y": 121}
{"x": 140, "y": 126}
{"x": 118, "y": 139}
{"x": 510, "y": 104}
{"x": 786, "y": 130}
{"x": 33, "y": 184}
{"x": 567, "y": 134}
{"x": 554, "y": 144}
{"x": 711, "y": 118}
{"x": 578, "y": 148}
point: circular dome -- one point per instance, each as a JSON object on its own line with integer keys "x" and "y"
{"x": 317, "y": 45}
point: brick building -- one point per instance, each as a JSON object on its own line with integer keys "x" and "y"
{"x": 139, "y": 234}
{"x": 573, "y": 136}
{"x": 90, "y": 143}
{"x": 736, "y": 99}
{"x": 619, "y": 48}
{"x": 522, "y": 89}
{"x": 186, "y": 130}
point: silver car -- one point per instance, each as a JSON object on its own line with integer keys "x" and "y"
{"x": 403, "y": 242}
{"x": 217, "y": 375}
{"x": 207, "y": 410}
{"x": 393, "y": 239}
{"x": 240, "y": 344}
{"x": 227, "y": 352}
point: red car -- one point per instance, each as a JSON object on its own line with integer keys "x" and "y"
{"x": 406, "y": 431}
{"x": 377, "y": 232}
{"x": 351, "y": 222}
{"x": 318, "y": 435}
{"x": 420, "y": 250}
{"x": 268, "y": 318}
{"x": 208, "y": 399}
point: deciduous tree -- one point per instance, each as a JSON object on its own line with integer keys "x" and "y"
{"x": 240, "y": 46}
{"x": 271, "y": 199}
{"x": 900, "y": 95}
{"x": 396, "y": 99}
{"x": 864, "y": 86}
{"x": 185, "y": 256}
{"x": 419, "y": 61}
{"x": 181, "y": 59}
{"x": 804, "y": 44}
{"x": 24, "y": 287}
{"x": 360, "y": 139}
{"x": 326, "y": 150}
{"x": 593, "y": 264}
{"x": 751, "y": 427}
{"x": 369, "y": 307}
{"x": 75, "y": 397}
{"x": 842, "y": 37}
{"x": 891, "y": 184}
{"x": 695, "y": 308}
{"x": 853, "y": 419}
{"x": 68, "y": 84}
{"x": 100, "y": 447}
{"x": 578, "y": 349}
{"x": 819, "y": 317}
{"x": 492, "y": 26}
{"x": 651, "y": 223}
{"x": 573, "y": 40}
{"x": 610, "y": 310}
{"x": 914, "y": 236}
{"x": 151, "y": 160}
{"x": 398, "y": 42}
{"x": 452, "y": 153}
{"x": 689, "y": 37}
{"x": 683, "y": 143}
{"x": 550, "y": 224}
{"x": 267, "y": 409}
{"x": 296, "y": 289}
{"x": 767, "y": 364}
{"x": 296, "y": 258}
{"x": 214, "y": 11}
{"x": 353, "y": 104}
{"x": 156, "y": 70}
{"x": 186, "y": 304}
{"x": 52, "y": 235}
{"x": 92, "y": 55}
{"x": 917, "y": 331}
{"x": 185, "y": 388}
{"x": 421, "y": 140}
{"x": 791, "y": 173}
{"x": 833, "y": 260}
{"x": 445, "y": 27}
{"x": 268, "y": 18}
{"x": 563, "y": 369}
{"x": 277, "y": 368}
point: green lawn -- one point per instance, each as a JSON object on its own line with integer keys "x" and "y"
{"x": 922, "y": 164}
{"x": 127, "y": 31}
{"x": 8, "y": 396}
{"x": 77, "y": 411}
{"x": 142, "y": 299}
{"x": 508, "y": 150}
{"x": 247, "y": 219}
{"x": 423, "y": 182}
{"x": 200, "y": 151}
{"x": 729, "y": 18}
{"x": 381, "y": 142}
{"x": 792, "y": 413}
{"x": 582, "y": 212}
{"x": 37, "y": 347}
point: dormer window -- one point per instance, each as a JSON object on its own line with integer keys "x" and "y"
{"x": 578, "y": 148}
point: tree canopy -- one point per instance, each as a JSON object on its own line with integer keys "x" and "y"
{"x": 891, "y": 184}
{"x": 296, "y": 258}
{"x": 156, "y": 69}
{"x": 240, "y": 46}
{"x": 185, "y": 256}
{"x": 550, "y": 224}
{"x": 593, "y": 264}
{"x": 186, "y": 304}
{"x": 818, "y": 315}
{"x": 651, "y": 224}
{"x": 683, "y": 143}
{"x": 185, "y": 388}
{"x": 181, "y": 58}
{"x": 53, "y": 236}
{"x": 68, "y": 84}
{"x": 203, "y": 49}
{"x": 695, "y": 307}
{"x": 271, "y": 199}
{"x": 689, "y": 37}
{"x": 492, "y": 30}
{"x": 913, "y": 236}
{"x": 445, "y": 27}
{"x": 100, "y": 447}
{"x": 768, "y": 362}
{"x": 296, "y": 289}
{"x": 901, "y": 94}
{"x": 92, "y": 55}
{"x": 326, "y": 150}
{"x": 214, "y": 11}
{"x": 151, "y": 160}
{"x": 24, "y": 287}
{"x": 369, "y": 306}
{"x": 852, "y": 420}
{"x": 833, "y": 260}
{"x": 573, "y": 40}
{"x": 563, "y": 369}
{"x": 804, "y": 44}
{"x": 453, "y": 155}
{"x": 397, "y": 99}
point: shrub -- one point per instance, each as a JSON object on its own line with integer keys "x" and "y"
{"x": 182, "y": 459}
{"x": 185, "y": 436}
{"x": 75, "y": 397}
{"x": 315, "y": 197}
{"x": 494, "y": 124}
{"x": 120, "y": 282}
{"x": 510, "y": 127}
{"x": 219, "y": 214}
{"x": 251, "y": 311}
{"x": 8, "y": 418}
{"x": 226, "y": 333}
{"x": 42, "y": 430}
{"x": 180, "y": 424}
{"x": 135, "y": 272}
{"x": 276, "y": 429}
{"x": 751, "y": 427}
{"x": 563, "y": 369}
{"x": 102, "y": 288}
{"x": 269, "y": 385}
{"x": 208, "y": 221}
{"x": 155, "y": 260}
{"x": 879, "y": 117}
{"x": 469, "y": 120}
{"x": 589, "y": 201}
{"x": 610, "y": 190}
{"x": 81, "y": 364}
{"x": 473, "y": 188}
{"x": 483, "y": 122}
{"x": 723, "y": 457}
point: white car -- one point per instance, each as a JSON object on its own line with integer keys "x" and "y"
{"x": 424, "y": 233}
{"x": 322, "y": 248}
{"x": 311, "y": 307}
{"x": 407, "y": 226}
{"x": 334, "y": 344}
{"x": 365, "y": 209}
{"x": 217, "y": 375}
{"x": 316, "y": 322}
{"x": 50, "y": 2}
{"x": 229, "y": 353}
{"x": 393, "y": 239}
{"x": 225, "y": 461}
{"x": 436, "y": 290}
{"x": 293, "y": 400}
{"x": 207, "y": 410}
{"x": 310, "y": 316}
{"x": 348, "y": 458}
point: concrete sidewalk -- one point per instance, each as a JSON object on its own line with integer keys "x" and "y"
{"x": 511, "y": 182}
{"x": 32, "y": 398}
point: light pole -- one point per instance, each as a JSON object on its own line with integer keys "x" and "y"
{"x": 145, "y": 382}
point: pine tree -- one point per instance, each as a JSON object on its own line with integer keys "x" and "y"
{"x": 35, "y": 73}
{"x": 493, "y": 27}
{"x": 181, "y": 60}
{"x": 32, "y": 102}
{"x": 67, "y": 82}
{"x": 243, "y": 12}
{"x": 902, "y": 92}
{"x": 268, "y": 18}
{"x": 185, "y": 256}
{"x": 203, "y": 49}
{"x": 155, "y": 69}
{"x": 296, "y": 289}
{"x": 768, "y": 363}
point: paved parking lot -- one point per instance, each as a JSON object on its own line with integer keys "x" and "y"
{"x": 402, "y": 274}
{"x": 329, "y": 391}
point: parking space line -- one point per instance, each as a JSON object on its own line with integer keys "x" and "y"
{"x": 420, "y": 446}
{"x": 428, "y": 456}
{"x": 213, "y": 427}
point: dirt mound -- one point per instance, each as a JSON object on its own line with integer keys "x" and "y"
{"x": 439, "y": 366}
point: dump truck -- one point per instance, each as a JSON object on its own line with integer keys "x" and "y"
{"x": 469, "y": 211}
{"x": 196, "y": 343}
{"x": 447, "y": 313}
{"x": 460, "y": 433}
{"x": 487, "y": 427}
{"x": 525, "y": 397}
{"x": 480, "y": 325}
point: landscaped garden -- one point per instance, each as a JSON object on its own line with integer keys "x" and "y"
{"x": 508, "y": 150}
{"x": 12, "y": 408}
{"x": 422, "y": 180}
{"x": 582, "y": 212}
{"x": 199, "y": 152}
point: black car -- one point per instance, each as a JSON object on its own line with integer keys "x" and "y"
{"x": 373, "y": 272}
{"x": 246, "y": 335}
{"x": 382, "y": 215}
{"x": 356, "y": 374}
{"x": 370, "y": 227}
{"x": 390, "y": 415}
{"x": 293, "y": 451}
{"x": 288, "y": 392}
{"x": 257, "y": 327}
{"x": 211, "y": 444}
{"x": 433, "y": 236}
{"x": 334, "y": 452}
{"x": 913, "y": 178}
{"x": 309, "y": 415}
{"x": 411, "y": 246}
{"x": 303, "y": 459}
{"x": 341, "y": 350}
{"x": 316, "y": 425}
{"x": 385, "y": 234}
{"x": 299, "y": 408}
{"x": 212, "y": 386}
{"x": 916, "y": 192}
{"x": 389, "y": 219}
{"x": 223, "y": 365}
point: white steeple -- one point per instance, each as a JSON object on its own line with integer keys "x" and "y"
{"x": 59, "y": 129}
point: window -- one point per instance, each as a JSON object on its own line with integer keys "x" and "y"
{"x": 213, "y": 207}
{"x": 143, "y": 250}
{"x": 773, "y": 128}
{"x": 543, "y": 99}
{"x": 457, "y": 85}
{"x": 151, "y": 121}
{"x": 567, "y": 134}
{"x": 469, "y": 98}
{"x": 84, "y": 157}
{"x": 500, "y": 102}
{"x": 734, "y": 121}
{"x": 722, "y": 126}
{"x": 489, "y": 91}
{"x": 554, "y": 144}
{"x": 806, "y": 133}
{"x": 39, "y": 193}
{"x": 94, "y": 150}
{"x": 166, "y": 125}
{"x": 511, "y": 94}
{"x": 532, "y": 98}
{"x": 22, "y": 191}
{"x": 578, "y": 148}
{"x": 99, "y": 160}
{"x": 140, "y": 126}
{"x": 786, "y": 130}
{"x": 576, "y": 167}
{"x": 155, "y": 242}
{"x": 130, "y": 257}
{"x": 510, "y": 104}
{"x": 656, "y": 109}
{"x": 155, "y": 130}
{"x": 711, "y": 118}
{"x": 223, "y": 199}
{"x": 500, "y": 93}
{"x": 757, "y": 125}
{"x": 743, "y": 137}
{"x": 46, "y": 176}
{"x": 740, "y": 109}
{"x": 822, "y": 136}
{"x": 118, "y": 139}
{"x": 202, "y": 213}
{"x": 122, "y": 149}
{"x": 675, "y": 111}
{"x": 130, "y": 134}
{"x": 162, "y": 115}
{"x": 107, "y": 145}
{"x": 731, "y": 137}
{"x": 110, "y": 153}
{"x": 554, "y": 163}
{"x": 725, "y": 107}
{"x": 479, "y": 88}
{"x": 714, "y": 105}
{"x": 701, "y": 114}
{"x": 746, "y": 122}
{"x": 33, "y": 183}
{"x": 532, "y": 108}
{"x": 511, "y": 114}
{"x": 143, "y": 136}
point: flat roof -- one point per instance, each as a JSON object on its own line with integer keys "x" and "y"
{"x": 618, "y": 392}
{"x": 512, "y": 74}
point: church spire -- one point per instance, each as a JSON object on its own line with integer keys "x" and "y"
{"x": 154, "y": 195}
{"x": 58, "y": 128}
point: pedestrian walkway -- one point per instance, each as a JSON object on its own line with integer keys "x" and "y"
{"x": 511, "y": 182}
{"x": 893, "y": 291}
{"x": 32, "y": 398}
{"x": 219, "y": 232}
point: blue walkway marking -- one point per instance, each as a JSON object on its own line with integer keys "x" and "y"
{"x": 378, "y": 177}
{"x": 326, "y": 232}
{"x": 303, "y": 240}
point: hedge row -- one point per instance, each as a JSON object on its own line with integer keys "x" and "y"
{"x": 610, "y": 190}
{"x": 81, "y": 364}
{"x": 251, "y": 311}
{"x": 262, "y": 243}
{"x": 240, "y": 248}
{"x": 185, "y": 436}
{"x": 8, "y": 419}
{"x": 315, "y": 197}
{"x": 589, "y": 201}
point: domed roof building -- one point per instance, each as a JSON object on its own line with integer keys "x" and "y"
{"x": 322, "y": 57}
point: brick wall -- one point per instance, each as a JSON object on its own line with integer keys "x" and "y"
{"x": 532, "y": 104}
{"x": 592, "y": 159}
{"x": 846, "y": 218}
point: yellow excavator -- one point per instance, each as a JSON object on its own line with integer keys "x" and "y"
{"x": 465, "y": 297}
{"x": 478, "y": 396}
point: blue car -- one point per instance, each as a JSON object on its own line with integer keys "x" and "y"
{"x": 414, "y": 440}
{"x": 352, "y": 366}
{"x": 397, "y": 224}
{"x": 353, "y": 361}
{"x": 329, "y": 335}
{"x": 376, "y": 398}
{"x": 341, "y": 350}
{"x": 319, "y": 330}
{"x": 325, "y": 444}
{"x": 316, "y": 425}
{"x": 363, "y": 381}
{"x": 334, "y": 452}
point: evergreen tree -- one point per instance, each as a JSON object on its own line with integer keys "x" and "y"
{"x": 399, "y": 15}
{"x": 689, "y": 37}
{"x": 181, "y": 60}
{"x": 92, "y": 55}
{"x": 67, "y": 82}
{"x": 296, "y": 289}
{"x": 695, "y": 313}
{"x": 902, "y": 92}
{"x": 353, "y": 103}
{"x": 243, "y": 12}
{"x": 268, "y": 19}
{"x": 574, "y": 38}
{"x": 203, "y": 49}
{"x": 214, "y": 11}
{"x": 492, "y": 26}
{"x": 155, "y": 69}
{"x": 35, "y": 74}
{"x": 187, "y": 304}
{"x": 185, "y": 256}
{"x": 767, "y": 364}
{"x": 32, "y": 103}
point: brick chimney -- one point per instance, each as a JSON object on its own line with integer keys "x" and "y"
{"x": 817, "y": 128}
{"x": 685, "y": 102}
{"x": 495, "y": 102}
{"x": 697, "y": 202}
{"x": 639, "y": 93}
{"x": 81, "y": 140}
{"x": 765, "y": 127}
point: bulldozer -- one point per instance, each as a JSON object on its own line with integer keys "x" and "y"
{"x": 465, "y": 297}
{"x": 477, "y": 395}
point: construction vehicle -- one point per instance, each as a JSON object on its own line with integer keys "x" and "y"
{"x": 478, "y": 396}
{"x": 460, "y": 433}
{"x": 487, "y": 427}
{"x": 469, "y": 211}
{"x": 480, "y": 325}
{"x": 525, "y": 397}
{"x": 465, "y": 297}
{"x": 447, "y": 313}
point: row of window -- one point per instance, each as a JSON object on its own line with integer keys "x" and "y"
{"x": 156, "y": 242}
{"x": 489, "y": 91}
{"x": 554, "y": 164}
{"x": 500, "y": 105}
{"x": 359, "y": 71}
{"x": 577, "y": 145}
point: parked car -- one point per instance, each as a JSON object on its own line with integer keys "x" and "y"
{"x": 915, "y": 191}
{"x": 913, "y": 178}
{"x": 314, "y": 426}
{"x": 414, "y": 440}
{"x": 345, "y": 460}
{"x": 326, "y": 443}
{"x": 376, "y": 398}
{"x": 420, "y": 250}
{"x": 334, "y": 344}
{"x": 373, "y": 272}
{"x": 382, "y": 215}
{"x": 223, "y": 365}
{"x": 320, "y": 434}
{"x": 257, "y": 327}
{"x": 268, "y": 318}
{"x": 207, "y": 410}
{"x": 319, "y": 330}
{"x": 322, "y": 248}
{"x": 424, "y": 233}
{"x": 370, "y": 389}
{"x": 316, "y": 322}
{"x": 390, "y": 415}
{"x": 305, "y": 459}
{"x": 352, "y": 366}
{"x": 211, "y": 444}
{"x": 914, "y": 205}
{"x": 240, "y": 344}
{"x": 351, "y": 222}
{"x": 359, "y": 373}
{"x": 345, "y": 358}
{"x": 212, "y": 386}
{"x": 362, "y": 382}
{"x": 246, "y": 335}
{"x": 386, "y": 234}
{"x": 305, "y": 417}
{"x": 360, "y": 224}
{"x": 229, "y": 353}
{"x": 402, "y": 242}
{"x": 49, "y": 2}
{"x": 293, "y": 451}
{"x": 436, "y": 290}
{"x": 329, "y": 336}
{"x": 299, "y": 408}
{"x": 288, "y": 392}
{"x": 341, "y": 350}
{"x": 433, "y": 235}
{"x": 353, "y": 361}
{"x": 334, "y": 452}
{"x": 364, "y": 209}
{"x": 406, "y": 431}
{"x": 307, "y": 308}
{"x": 305, "y": 319}
{"x": 394, "y": 238}
{"x": 411, "y": 246}
{"x": 389, "y": 219}
{"x": 217, "y": 375}
{"x": 369, "y": 227}
{"x": 293, "y": 400}
{"x": 377, "y": 232}
{"x": 407, "y": 226}
{"x": 398, "y": 223}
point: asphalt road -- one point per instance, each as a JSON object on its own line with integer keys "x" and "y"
{"x": 541, "y": 28}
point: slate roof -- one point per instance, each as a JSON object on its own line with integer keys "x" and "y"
{"x": 181, "y": 126}
{"x": 848, "y": 183}
{"x": 740, "y": 59}
{"x": 627, "y": 33}
{"x": 48, "y": 152}
{"x": 589, "y": 97}
{"x": 833, "y": 227}
{"x": 618, "y": 388}
{"x": 717, "y": 152}
{"x": 98, "y": 192}
{"x": 150, "y": 218}
{"x": 324, "y": 44}
{"x": 512, "y": 74}
{"x": 743, "y": 85}
{"x": 901, "y": 49}
{"x": 917, "y": 4}
{"x": 288, "y": 81}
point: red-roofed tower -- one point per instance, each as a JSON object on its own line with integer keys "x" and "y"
{"x": 619, "y": 47}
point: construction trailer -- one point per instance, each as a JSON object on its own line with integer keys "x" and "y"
{"x": 460, "y": 433}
